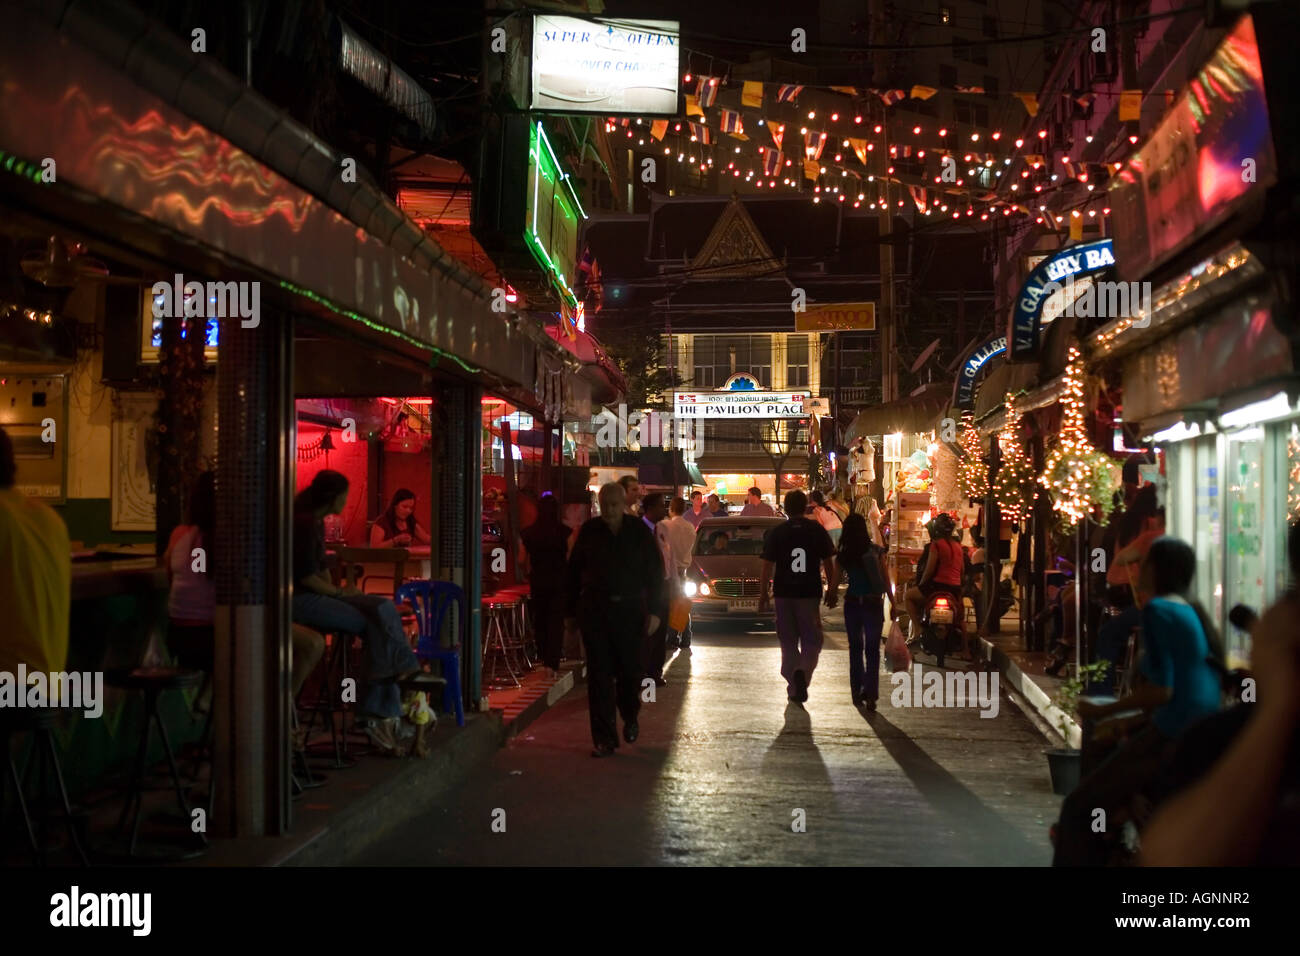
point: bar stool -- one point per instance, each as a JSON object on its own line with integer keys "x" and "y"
{"x": 498, "y": 614}
{"x": 39, "y": 722}
{"x": 153, "y": 682}
{"x": 329, "y": 696}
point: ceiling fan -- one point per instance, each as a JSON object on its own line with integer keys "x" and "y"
{"x": 61, "y": 265}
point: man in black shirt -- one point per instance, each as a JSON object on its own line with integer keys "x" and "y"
{"x": 791, "y": 553}
{"x": 615, "y": 581}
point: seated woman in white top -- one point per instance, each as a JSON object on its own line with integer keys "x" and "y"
{"x": 397, "y": 527}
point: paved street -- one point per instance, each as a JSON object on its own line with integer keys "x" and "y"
{"x": 724, "y": 762}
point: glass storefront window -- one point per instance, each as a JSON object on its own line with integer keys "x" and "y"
{"x": 1245, "y": 562}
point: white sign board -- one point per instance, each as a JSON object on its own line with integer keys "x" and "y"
{"x": 605, "y": 66}
{"x": 752, "y": 405}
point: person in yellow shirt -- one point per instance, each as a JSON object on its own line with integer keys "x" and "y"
{"x": 35, "y": 577}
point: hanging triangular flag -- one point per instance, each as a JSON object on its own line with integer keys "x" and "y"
{"x": 658, "y": 128}
{"x": 848, "y": 90}
{"x": 923, "y": 92}
{"x": 625, "y": 121}
{"x": 907, "y": 151}
{"x": 1076, "y": 227}
{"x": 1085, "y": 100}
{"x": 752, "y": 93}
{"x": 730, "y": 122}
{"x": 890, "y": 97}
{"x": 810, "y": 169}
{"x": 706, "y": 91}
{"x": 918, "y": 196}
{"x": 787, "y": 92}
{"x": 1035, "y": 159}
{"x": 860, "y": 148}
{"x": 693, "y": 105}
{"x": 701, "y": 133}
{"x": 777, "y": 130}
{"x": 813, "y": 144}
{"x": 1130, "y": 105}
{"x": 1030, "y": 100}
{"x": 771, "y": 162}
{"x": 968, "y": 89}
{"x": 740, "y": 136}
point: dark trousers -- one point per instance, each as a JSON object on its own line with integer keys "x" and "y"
{"x": 864, "y": 619}
{"x": 656, "y": 645}
{"x": 547, "y": 602}
{"x": 614, "y": 638}
{"x": 1136, "y": 763}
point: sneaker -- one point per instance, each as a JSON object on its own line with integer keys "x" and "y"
{"x": 382, "y": 735}
{"x": 800, "y": 687}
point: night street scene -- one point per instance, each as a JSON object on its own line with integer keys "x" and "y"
{"x": 588, "y": 434}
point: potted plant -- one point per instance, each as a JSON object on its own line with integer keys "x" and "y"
{"x": 1063, "y": 762}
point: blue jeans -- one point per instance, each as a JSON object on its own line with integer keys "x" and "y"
{"x": 1112, "y": 641}
{"x": 388, "y": 652}
{"x": 864, "y": 619}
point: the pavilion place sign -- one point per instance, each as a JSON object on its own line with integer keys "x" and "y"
{"x": 741, "y": 399}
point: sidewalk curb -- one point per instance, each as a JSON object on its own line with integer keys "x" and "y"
{"x": 402, "y": 797}
{"x": 544, "y": 703}
{"x": 1031, "y": 693}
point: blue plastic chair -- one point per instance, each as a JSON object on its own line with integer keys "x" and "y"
{"x": 431, "y": 601}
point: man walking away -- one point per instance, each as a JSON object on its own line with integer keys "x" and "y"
{"x": 614, "y": 578}
{"x": 756, "y": 507}
{"x": 697, "y": 512}
{"x": 681, "y": 545}
{"x": 791, "y": 554}
{"x": 656, "y": 513}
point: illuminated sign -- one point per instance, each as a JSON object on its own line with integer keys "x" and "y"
{"x": 745, "y": 404}
{"x": 837, "y": 317}
{"x": 605, "y": 66}
{"x": 965, "y": 394}
{"x": 551, "y": 214}
{"x": 1044, "y": 282}
{"x": 151, "y": 329}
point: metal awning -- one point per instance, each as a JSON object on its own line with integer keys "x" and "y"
{"x": 915, "y": 413}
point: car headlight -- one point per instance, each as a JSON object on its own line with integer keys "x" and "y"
{"x": 690, "y": 589}
{"x": 704, "y": 589}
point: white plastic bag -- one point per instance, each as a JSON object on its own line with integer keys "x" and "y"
{"x": 897, "y": 656}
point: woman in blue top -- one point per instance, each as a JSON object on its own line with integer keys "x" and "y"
{"x": 864, "y": 609}
{"x": 1182, "y": 686}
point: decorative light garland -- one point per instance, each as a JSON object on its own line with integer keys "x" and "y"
{"x": 1078, "y": 477}
{"x": 972, "y": 473}
{"x": 1013, "y": 486}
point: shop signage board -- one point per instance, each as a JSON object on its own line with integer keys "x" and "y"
{"x": 608, "y": 67}
{"x": 746, "y": 405}
{"x": 837, "y": 317}
{"x": 1046, "y": 279}
{"x": 1208, "y": 156}
{"x": 964, "y": 396}
{"x": 551, "y": 214}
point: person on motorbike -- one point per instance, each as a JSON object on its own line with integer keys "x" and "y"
{"x": 942, "y": 571}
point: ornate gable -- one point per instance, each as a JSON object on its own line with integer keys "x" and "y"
{"x": 735, "y": 247}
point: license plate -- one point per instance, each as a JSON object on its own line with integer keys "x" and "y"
{"x": 941, "y": 615}
{"x": 743, "y": 605}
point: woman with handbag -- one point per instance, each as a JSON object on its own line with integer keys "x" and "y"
{"x": 863, "y": 563}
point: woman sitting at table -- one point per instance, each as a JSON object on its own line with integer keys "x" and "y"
{"x": 397, "y": 527}
{"x": 319, "y": 603}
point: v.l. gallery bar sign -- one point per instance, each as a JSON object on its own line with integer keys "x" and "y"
{"x": 1045, "y": 280}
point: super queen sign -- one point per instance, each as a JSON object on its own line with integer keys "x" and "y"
{"x": 753, "y": 405}
{"x": 605, "y": 66}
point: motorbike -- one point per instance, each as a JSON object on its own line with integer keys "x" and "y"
{"x": 940, "y": 631}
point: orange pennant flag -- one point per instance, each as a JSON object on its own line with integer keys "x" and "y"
{"x": 752, "y": 94}
{"x": 811, "y": 169}
{"x": 860, "y": 147}
{"x": 693, "y": 105}
{"x": 1030, "y": 100}
{"x": 1130, "y": 105}
{"x": 923, "y": 92}
{"x": 658, "y": 128}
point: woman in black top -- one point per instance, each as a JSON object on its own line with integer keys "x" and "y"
{"x": 546, "y": 549}
{"x": 397, "y": 527}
